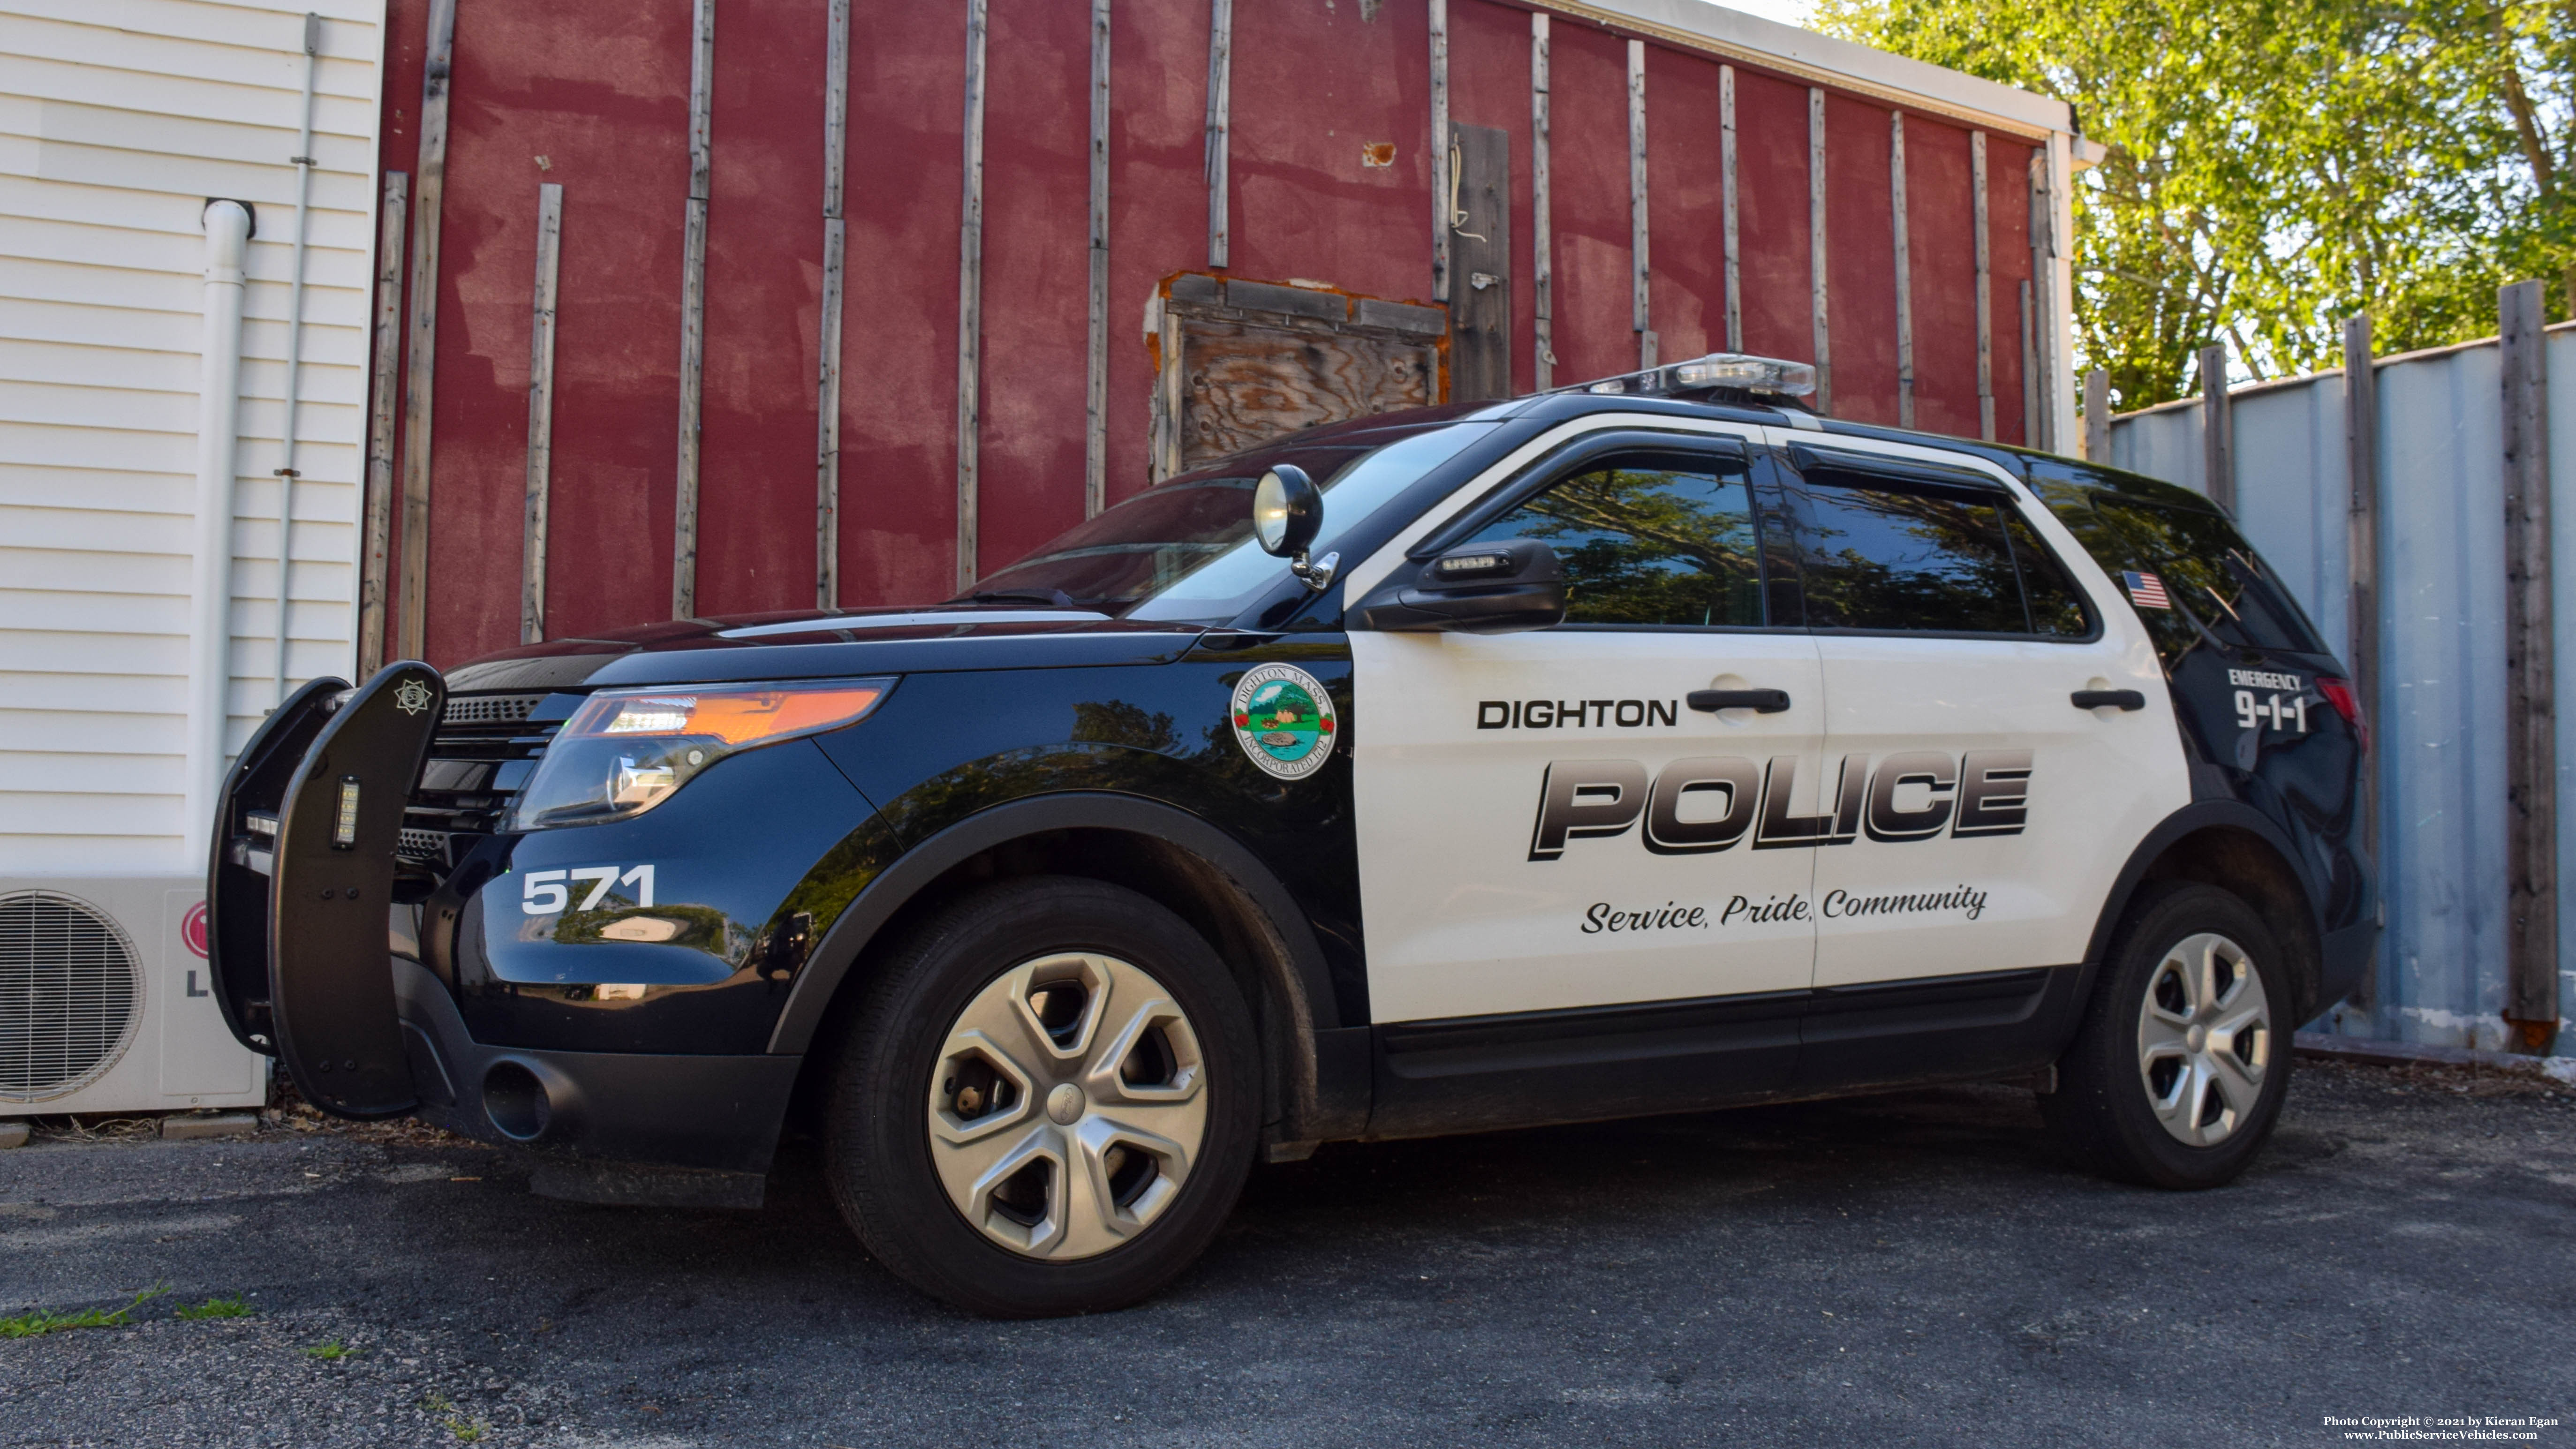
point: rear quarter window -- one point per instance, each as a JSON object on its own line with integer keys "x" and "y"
{"x": 2220, "y": 588}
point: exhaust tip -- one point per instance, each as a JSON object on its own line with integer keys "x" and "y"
{"x": 516, "y": 1101}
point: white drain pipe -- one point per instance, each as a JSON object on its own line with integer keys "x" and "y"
{"x": 228, "y": 226}
{"x": 286, "y": 473}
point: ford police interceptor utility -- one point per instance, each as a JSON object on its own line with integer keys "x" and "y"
{"x": 1642, "y": 747}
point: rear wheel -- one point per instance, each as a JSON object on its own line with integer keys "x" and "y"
{"x": 2178, "y": 1073}
{"x": 1049, "y": 1103}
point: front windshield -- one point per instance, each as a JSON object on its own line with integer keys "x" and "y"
{"x": 1184, "y": 551}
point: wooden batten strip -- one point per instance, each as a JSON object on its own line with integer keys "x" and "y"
{"x": 1095, "y": 393}
{"x": 2530, "y": 671}
{"x": 2365, "y": 549}
{"x": 2097, "y": 416}
{"x": 1985, "y": 290}
{"x": 382, "y": 393}
{"x": 1640, "y": 317}
{"x": 1542, "y": 233}
{"x": 2217, "y": 427}
{"x": 693, "y": 310}
{"x": 1726, "y": 166}
{"x": 1904, "y": 271}
{"x": 836, "y": 242}
{"x": 420, "y": 369}
{"x": 970, "y": 300}
{"x": 541, "y": 415}
{"x": 1220, "y": 108}
{"x": 2039, "y": 425}
{"x": 2029, "y": 374}
{"x": 1444, "y": 178}
{"x": 1816, "y": 254}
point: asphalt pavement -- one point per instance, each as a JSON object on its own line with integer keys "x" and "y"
{"x": 1908, "y": 1269}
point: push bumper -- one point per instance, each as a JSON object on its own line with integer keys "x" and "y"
{"x": 719, "y": 1112}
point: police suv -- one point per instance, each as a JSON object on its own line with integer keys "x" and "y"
{"x": 1648, "y": 746}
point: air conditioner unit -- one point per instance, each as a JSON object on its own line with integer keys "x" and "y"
{"x": 106, "y": 1004}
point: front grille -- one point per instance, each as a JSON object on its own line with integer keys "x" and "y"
{"x": 481, "y": 757}
{"x": 488, "y": 709}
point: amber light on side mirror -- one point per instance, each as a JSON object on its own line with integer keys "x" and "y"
{"x": 1477, "y": 588}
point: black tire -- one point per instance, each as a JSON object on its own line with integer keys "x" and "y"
{"x": 2105, "y": 1108}
{"x": 878, "y": 1136}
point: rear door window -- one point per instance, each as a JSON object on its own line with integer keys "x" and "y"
{"x": 1893, "y": 558}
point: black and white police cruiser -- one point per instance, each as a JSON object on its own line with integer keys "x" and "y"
{"x": 1642, "y": 747}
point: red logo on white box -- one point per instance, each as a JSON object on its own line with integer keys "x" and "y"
{"x": 192, "y": 929}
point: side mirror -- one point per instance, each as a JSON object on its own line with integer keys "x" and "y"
{"x": 1287, "y": 514}
{"x": 1476, "y": 588}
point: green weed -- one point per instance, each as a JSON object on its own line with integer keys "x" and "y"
{"x": 329, "y": 1350}
{"x": 230, "y": 1307}
{"x": 46, "y": 1320}
{"x": 467, "y": 1431}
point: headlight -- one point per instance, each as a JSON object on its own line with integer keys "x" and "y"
{"x": 626, "y": 751}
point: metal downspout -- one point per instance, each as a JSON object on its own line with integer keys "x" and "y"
{"x": 286, "y": 473}
{"x": 228, "y": 229}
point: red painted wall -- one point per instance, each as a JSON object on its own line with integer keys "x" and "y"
{"x": 764, "y": 309}
{"x": 1777, "y": 272}
{"x": 1588, "y": 178}
{"x": 599, "y": 91}
{"x": 1686, "y": 204}
{"x": 1860, "y": 261}
{"x": 1941, "y": 243}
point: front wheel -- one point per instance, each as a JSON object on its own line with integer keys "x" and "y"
{"x": 2178, "y": 1073}
{"x": 1049, "y": 1104}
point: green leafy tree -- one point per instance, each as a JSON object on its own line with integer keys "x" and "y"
{"x": 2275, "y": 166}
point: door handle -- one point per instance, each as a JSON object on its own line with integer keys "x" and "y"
{"x": 1760, "y": 701}
{"x": 2108, "y": 698}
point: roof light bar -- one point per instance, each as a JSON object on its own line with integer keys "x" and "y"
{"x": 1774, "y": 376}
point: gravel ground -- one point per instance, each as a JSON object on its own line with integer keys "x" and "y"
{"x": 1909, "y": 1269}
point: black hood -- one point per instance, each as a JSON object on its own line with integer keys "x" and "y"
{"x": 811, "y": 644}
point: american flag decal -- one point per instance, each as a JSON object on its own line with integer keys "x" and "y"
{"x": 2146, "y": 591}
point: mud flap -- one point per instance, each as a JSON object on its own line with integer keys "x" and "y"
{"x": 245, "y": 849}
{"x": 331, "y": 991}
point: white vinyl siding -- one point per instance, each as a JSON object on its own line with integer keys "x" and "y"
{"x": 118, "y": 119}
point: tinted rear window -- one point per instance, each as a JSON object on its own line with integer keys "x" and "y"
{"x": 1890, "y": 559}
{"x": 2217, "y": 584}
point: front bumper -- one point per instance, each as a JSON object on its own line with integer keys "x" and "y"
{"x": 721, "y": 1112}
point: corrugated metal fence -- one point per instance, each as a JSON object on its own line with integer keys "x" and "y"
{"x": 2440, "y": 718}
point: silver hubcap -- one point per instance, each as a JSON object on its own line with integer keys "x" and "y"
{"x": 2204, "y": 1039}
{"x": 1067, "y": 1106}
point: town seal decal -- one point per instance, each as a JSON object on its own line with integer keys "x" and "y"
{"x": 1284, "y": 720}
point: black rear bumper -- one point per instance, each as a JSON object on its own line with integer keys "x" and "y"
{"x": 2348, "y": 954}
{"x": 721, "y": 1112}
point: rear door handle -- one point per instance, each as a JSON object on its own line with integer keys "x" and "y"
{"x": 1760, "y": 701}
{"x": 2108, "y": 699}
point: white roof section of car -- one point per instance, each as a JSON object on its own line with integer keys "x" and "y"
{"x": 1823, "y": 60}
